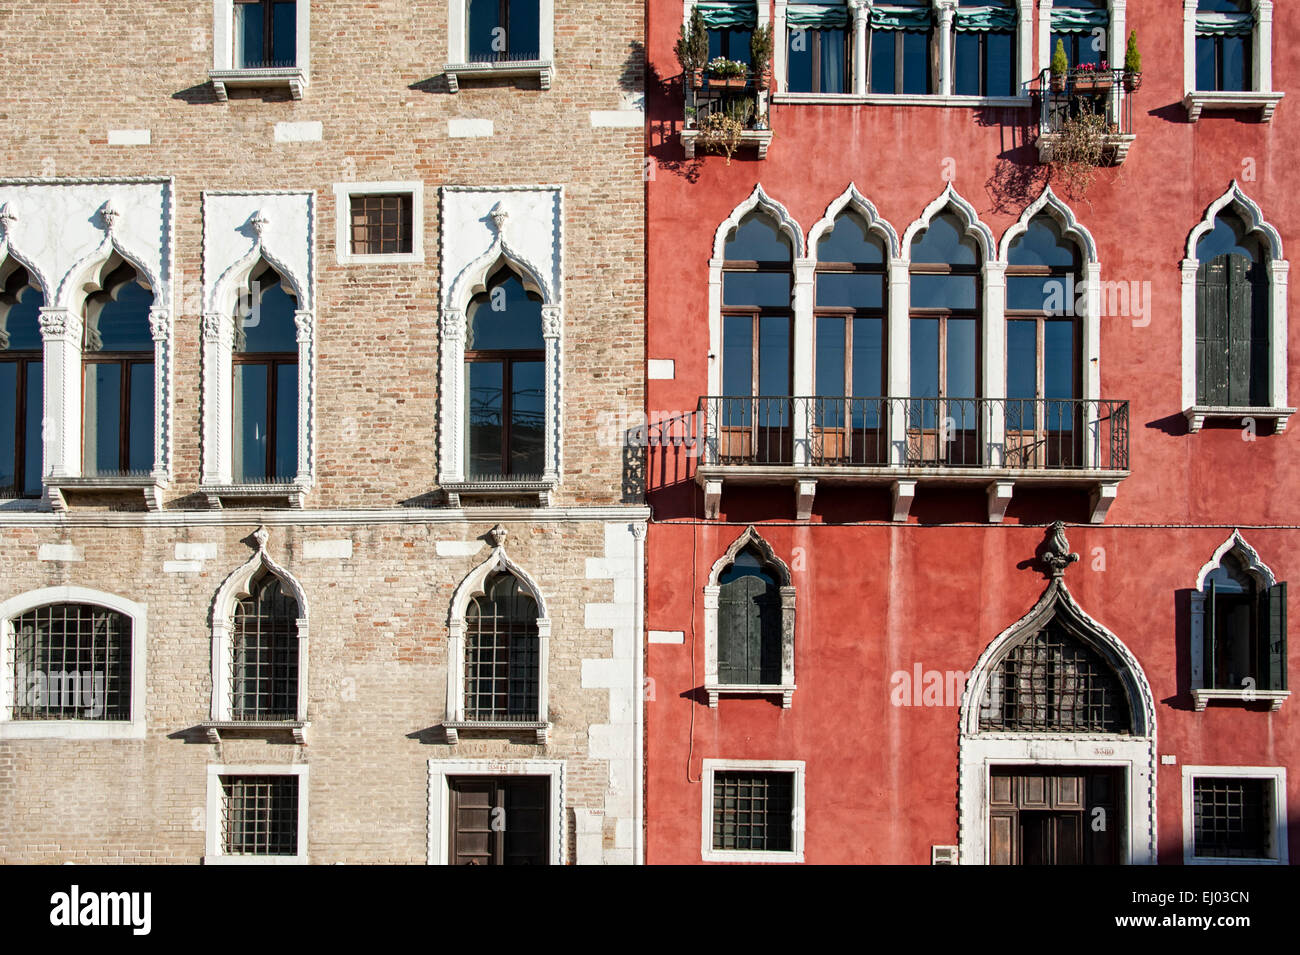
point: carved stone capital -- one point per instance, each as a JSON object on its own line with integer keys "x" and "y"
{"x": 8, "y": 217}
{"x": 552, "y": 321}
{"x": 305, "y": 322}
{"x": 59, "y": 324}
{"x": 452, "y": 324}
{"x": 160, "y": 323}
{"x": 216, "y": 326}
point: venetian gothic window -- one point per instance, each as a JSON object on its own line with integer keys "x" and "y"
{"x": 21, "y": 384}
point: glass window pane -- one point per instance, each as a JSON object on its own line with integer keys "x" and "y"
{"x": 486, "y": 41}
{"x": 966, "y": 74}
{"x": 882, "y": 62}
{"x": 484, "y": 409}
{"x": 267, "y": 325}
{"x": 962, "y": 357}
{"x": 999, "y": 64}
{"x": 507, "y": 317}
{"x": 1041, "y": 293}
{"x": 523, "y": 40}
{"x": 527, "y": 417}
{"x": 8, "y": 426}
{"x": 737, "y": 355}
{"x": 944, "y": 241}
{"x": 284, "y": 34}
{"x": 248, "y": 401}
{"x": 122, "y": 322}
{"x": 800, "y": 59}
{"x": 1043, "y": 244}
{"x": 1059, "y": 362}
{"x": 832, "y": 57}
{"x": 763, "y": 289}
{"x": 22, "y": 322}
{"x": 1235, "y": 60}
{"x": 773, "y": 356}
{"x": 916, "y": 63}
{"x": 248, "y": 34}
{"x": 1022, "y": 359}
{"x": 140, "y": 448}
{"x": 830, "y": 356}
{"x": 286, "y": 421}
{"x": 1205, "y": 75}
{"x": 101, "y": 424}
{"x": 34, "y": 450}
{"x": 925, "y": 371}
{"x": 850, "y": 242}
{"x": 868, "y": 355}
{"x": 757, "y": 239}
{"x": 850, "y": 290}
{"x": 943, "y": 291}
{"x": 1228, "y": 237}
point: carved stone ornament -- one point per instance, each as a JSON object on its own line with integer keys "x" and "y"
{"x": 499, "y": 216}
{"x": 212, "y": 324}
{"x": 259, "y": 222}
{"x": 498, "y": 536}
{"x": 8, "y": 216}
{"x": 54, "y": 323}
{"x": 110, "y": 213}
{"x": 551, "y": 321}
{"x": 1056, "y": 555}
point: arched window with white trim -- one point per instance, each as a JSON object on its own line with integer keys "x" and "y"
{"x": 21, "y": 382}
{"x": 265, "y": 380}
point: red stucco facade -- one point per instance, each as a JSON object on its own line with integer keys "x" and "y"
{"x": 875, "y": 596}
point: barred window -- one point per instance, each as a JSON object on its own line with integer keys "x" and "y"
{"x": 264, "y": 664}
{"x": 381, "y": 225}
{"x": 71, "y": 662}
{"x": 1053, "y": 683}
{"x": 753, "y": 811}
{"x": 501, "y": 653}
{"x": 1231, "y": 818}
{"x": 259, "y": 815}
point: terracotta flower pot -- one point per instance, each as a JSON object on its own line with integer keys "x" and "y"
{"x": 1132, "y": 80}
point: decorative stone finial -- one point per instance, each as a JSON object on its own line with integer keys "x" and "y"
{"x": 110, "y": 213}
{"x": 499, "y": 216}
{"x": 261, "y": 535}
{"x": 8, "y": 216}
{"x": 1056, "y": 554}
{"x": 259, "y": 222}
{"x": 498, "y": 536}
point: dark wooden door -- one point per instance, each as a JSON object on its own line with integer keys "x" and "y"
{"x": 1058, "y": 816}
{"x": 499, "y": 820}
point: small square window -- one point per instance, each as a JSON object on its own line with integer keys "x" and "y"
{"x": 379, "y": 222}
{"x": 257, "y": 815}
{"x": 381, "y": 225}
{"x": 1234, "y": 815}
{"x": 753, "y": 811}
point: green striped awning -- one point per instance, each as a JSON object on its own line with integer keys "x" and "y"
{"x": 1224, "y": 24}
{"x": 972, "y": 19}
{"x": 721, "y": 15}
{"x": 899, "y": 18}
{"x": 1079, "y": 21}
{"x": 812, "y": 16}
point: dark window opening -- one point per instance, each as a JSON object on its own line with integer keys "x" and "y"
{"x": 259, "y": 815}
{"x": 71, "y": 662}
{"x": 501, "y": 654}
{"x": 265, "y": 393}
{"x": 753, "y": 812}
{"x": 382, "y": 225}
{"x": 818, "y": 61}
{"x": 502, "y": 31}
{"x": 264, "y": 657}
{"x": 266, "y": 34}
{"x": 22, "y": 382}
{"x": 749, "y": 623}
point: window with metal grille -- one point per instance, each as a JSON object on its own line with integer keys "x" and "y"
{"x": 501, "y": 653}
{"x": 753, "y": 811}
{"x": 259, "y": 815}
{"x": 264, "y": 661}
{"x": 1231, "y": 818}
{"x": 1053, "y": 683}
{"x": 71, "y": 662}
{"x": 381, "y": 225}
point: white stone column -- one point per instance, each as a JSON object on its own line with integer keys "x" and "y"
{"x": 946, "y": 10}
{"x": 1025, "y": 46}
{"x": 1263, "y": 52}
{"x": 1279, "y": 273}
{"x": 61, "y": 331}
{"x": 218, "y": 424}
{"x": 805, "y": 274}
{"x": 451, "y": 412}
{"x": 1189, "y": 270}
{"x": 860, "y": 12}
{"x": 221, "y": 650}
{"x": 160, "y": 327}
{"x": 898, "y": 369}
{"x": 455, "y": 709}
{"x": 1189, "y": 45}
{"x": 1090, "y": 374}
{"x": 780, "y": 46}
{"x": 305, "y": 322}
{"x": 1044, "y": 35}
{"x": 552, "y": 329}
{"x": 304, "y": 661}
{"x": 543, "y": 669}
{"x": 994, "y": 370}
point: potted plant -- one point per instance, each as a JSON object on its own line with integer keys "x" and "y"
{"x": 693, "y": 48}
{"x": 1060, "y": 67}
{"x": 760, "y": 55}
{"x": 723, "y": 129}
{"x": 1132, "y": 63}
{"x": 1093, "y": 77}
{"x": 727, "y": 74}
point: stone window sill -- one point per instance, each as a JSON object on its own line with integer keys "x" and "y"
{"x": 453, "y": 728}
{"x": 1198, "y": 101}
{"x": 151, "y": 485}
{"x": 292, "y": 78}
{"x": 1275, "y": 698}
{"x": 257, "y": 728}
{"x": 458, "y": 73}
{"x": 294, "y": 494}
{"x": 786, "y": 692}
{"x": 1197, "y": 415}
{"x": 754, "y": 138}
{"x": 499, "y": 488}
{"x": 255, "y": 860}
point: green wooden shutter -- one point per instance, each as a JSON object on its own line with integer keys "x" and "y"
{"x": 1212, "y": 333}
{"x": 749, "y": 632}
{"x": 1239, "y": 330}
{"x": 1272, "y": 674}
{"x": 733, "y": 631}
{"x": 765, "y": 664}
{"x": 1207, "y": 661}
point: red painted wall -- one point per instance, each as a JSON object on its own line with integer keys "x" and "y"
{"x": 875, "y": 598}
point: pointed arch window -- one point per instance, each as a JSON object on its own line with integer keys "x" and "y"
{"x": 264, "y": 652}
{"x": 946, "y": 331}
{"x": 501, "y": 653}
{"x": 749, "y": 622}
{"x": 1232, "y": 333}
{"x": 755, "y": 416}
{"x": 1044, "y": 343}
{"x": 21, "y": 383}
{"x": 264, "y": 390}
{"x": 849, "y": 357}
{"x": 117, "y": 361}
{"x": 505, "y": 381}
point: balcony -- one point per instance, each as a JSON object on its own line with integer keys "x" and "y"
{"x": 725, "y": 114}
{"x": 997, "y": 443}
{"x": 1085, "y": 116}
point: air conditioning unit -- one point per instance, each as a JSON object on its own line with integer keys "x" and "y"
{"x": 943, "y": 855}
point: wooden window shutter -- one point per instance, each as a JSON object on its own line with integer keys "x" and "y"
{"x": 1240, "y": 300}
{"x": 1212, "y": 378}
{"x": 1272, "y": 645}
{"x": 1208, "y": 661}
{"x": 749, "y": 632}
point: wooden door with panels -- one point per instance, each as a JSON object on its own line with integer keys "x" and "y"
{"x": 499, "y": 820}
{"x": 1067, "y": 815}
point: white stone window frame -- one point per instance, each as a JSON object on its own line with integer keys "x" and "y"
{"x": 225, "y": 75}
{"x": 468, "y": 263}
{"x": 1264, "y": 578}
{"x": 1134, "y": 753}
{"x": 945, "y": 34}
{"x": 1116, "y": 37}
{"x": 555, "y": 770}
{"x": 343, "y": 194}
{"x": 1261, "y": 97}
{"x": 795, "y": 767}
{"x": 1236, "y": 200}
{"x": 234, "y": 588}
{"x": 119, "y": 228}
{"x": 137, "y": 613}
{"x": 459, "y": 69}
{"x": 1281, "y": 852}
{"x": 712, "y": 593}
{"x": 216, "y": 801}
{"x": 226, "y": 271}
{"x": 472, "y": 586}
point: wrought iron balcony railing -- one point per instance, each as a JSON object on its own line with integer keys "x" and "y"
{"x": 1013, "y": 434}
{"x": 1083, "y": 102}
